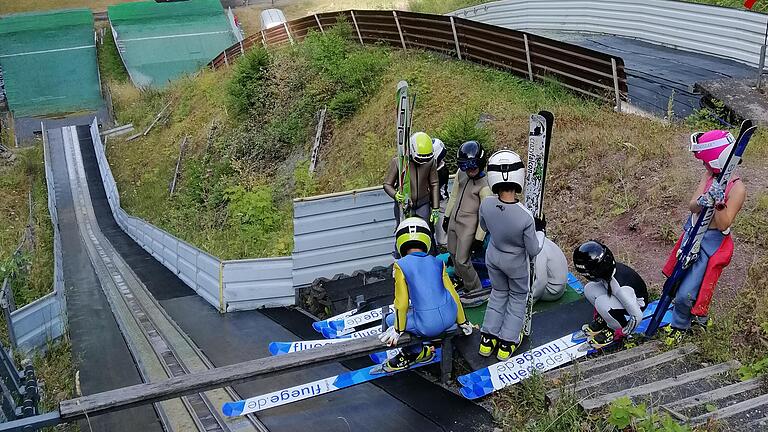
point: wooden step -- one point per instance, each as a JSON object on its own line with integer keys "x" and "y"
{"x": 619, "y": 373}
{"x": 714, "y": 395}
{"x": 732, "y": 410}
{"x": 585, "y": 367}
{"x": 600, "y": 401}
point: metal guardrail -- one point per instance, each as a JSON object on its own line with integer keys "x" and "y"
{"x": 43, "y": 320}
{"x": 533, "y": 57}
{"x": 724, "y": 32}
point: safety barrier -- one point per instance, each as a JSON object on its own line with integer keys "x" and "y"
{"x": 44, "y": 320}
{"x": 725, "y": 32}
{"x": 533, "y": 57}
{"x": 337, "y": 233}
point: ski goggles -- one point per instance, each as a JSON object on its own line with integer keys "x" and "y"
{"x": 696, "y": 146}
{"x": 468, "y": 164}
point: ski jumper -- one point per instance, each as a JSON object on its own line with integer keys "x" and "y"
{"x": 514, "y": 241}
{"x": 425, "y": 191}
{"x": 698, "y": 285}
{"x": 463, "y": 226}
{"x": 426, "y": 303}
{"x": 625, "y": 294}
{"x": 551, "y": 273}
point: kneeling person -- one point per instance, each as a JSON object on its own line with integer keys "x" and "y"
{"x": 615, "y": 290}
{"x": 426, "y": 303}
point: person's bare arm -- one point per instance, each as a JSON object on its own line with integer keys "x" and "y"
{"x": 724, "y": 218}
{"x": 694, "y": 206}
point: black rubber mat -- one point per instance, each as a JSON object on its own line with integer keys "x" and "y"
{"x": 241, "y": 336}
{"x": 546, "y": 326}
{"x": 98, "y": 348}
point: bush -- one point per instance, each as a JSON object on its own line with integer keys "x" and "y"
{"x": 459, "y": 128}
{"x": 248, "y": 88}
{"x": 254, "y": 208}
{"x": 344, "y": 104}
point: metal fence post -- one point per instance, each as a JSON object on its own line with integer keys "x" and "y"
{"x": 399, "y": 30}
{"x": 319, "y": 24}
{"x": 616, "y": 84}
{"x": 528, "y": 56}
{"x": 761, "y": 67}
{"x": 456, "y": 38}
{"x": 354, "y": 20}
{"x": 288, "y": 32}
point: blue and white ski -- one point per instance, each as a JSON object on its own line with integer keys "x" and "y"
{"x": 279, "y": 348}
{"x": 343, "y": 325}
{"x": 309, "y": 390}
{"x": 691, "y": 245}
{"x": 543, "y": 358}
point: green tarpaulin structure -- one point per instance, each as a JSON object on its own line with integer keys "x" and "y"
{"x": 163, "y": 41}
{"x": 49, "y": 62}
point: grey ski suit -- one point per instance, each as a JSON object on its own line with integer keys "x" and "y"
{"x": 514, "y": 241}
{"x": 551, "y": 273}
{"x": 463, "y": 227}
{"x": 625, "y": 294}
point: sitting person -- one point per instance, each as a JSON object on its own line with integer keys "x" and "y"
{"x": 426, "y": 303}
{"x": 614, "y": 289}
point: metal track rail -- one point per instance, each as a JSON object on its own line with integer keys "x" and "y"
{"x": 160, "y": 348}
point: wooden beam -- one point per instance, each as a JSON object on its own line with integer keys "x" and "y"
{"x": 716, "y": 394}
{"x": 586, "y": 367}
{"x": 733, "y": 410}
{"x": 657, "y": 386}
{"x": 142, "y": 394}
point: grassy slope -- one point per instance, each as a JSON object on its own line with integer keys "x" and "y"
{"x": 14, "y": 6}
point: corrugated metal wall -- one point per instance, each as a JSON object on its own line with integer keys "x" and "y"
{"x": 341, "y": 233}
{"x": 725, "y": 32}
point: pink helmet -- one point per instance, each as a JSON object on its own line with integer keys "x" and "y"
{"x": 713, "y": 148}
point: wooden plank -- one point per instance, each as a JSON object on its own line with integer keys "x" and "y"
{"x": 142, "y": 394}
{"x": 715, "y": 395}
{"x": 600, "y": 401}
{"x": 616, "y": 374}
{"x": 583, "y": 367}
{"x": 733, "y": 410}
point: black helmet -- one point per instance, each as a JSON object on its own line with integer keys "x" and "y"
{"x": 471, "y": 155}
{"x": 594, "y": 260}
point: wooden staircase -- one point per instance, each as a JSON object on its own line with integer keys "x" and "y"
{"x": 675, "y": 381}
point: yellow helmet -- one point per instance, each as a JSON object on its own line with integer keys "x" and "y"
{"x": 421, "y": 148}
{"x": 413, "y": 232}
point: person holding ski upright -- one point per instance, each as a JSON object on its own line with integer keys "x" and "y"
{"x": 614, "y": 289}
{"x": 439, "y": 150}
{"x": 426, "y": 303}
{"x": 424, "y": 198}
{"x": 461, "y": 218}
{"x": 694, "y": 293}
{"x": 516, "y": 237}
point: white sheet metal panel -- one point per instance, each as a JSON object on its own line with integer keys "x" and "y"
{"x": 256, "y": 283}
{"x": 342, "y": 233}
{"x": 38, "y": 322}
{"x": 724, "y": 32}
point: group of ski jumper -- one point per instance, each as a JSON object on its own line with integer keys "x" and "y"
{"x": 485, "y": 201}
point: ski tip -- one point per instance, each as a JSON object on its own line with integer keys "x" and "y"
{"x": 273, "y": 348}
{"x": 318, "y": 326}
{"x": 336, "y": 325}
{"x": 233, "y": 409}
{"x": 329, "y": 333}
{"x": 402, "y": 84}
{"x": 468, "y": 393}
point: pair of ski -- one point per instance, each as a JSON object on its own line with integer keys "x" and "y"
{"x": 690, "y": 248}
{"x": 559, "y": 352}
{"x": 404, "y": 120}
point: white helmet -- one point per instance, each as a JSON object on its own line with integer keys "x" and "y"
{"x": 439, "y": 151}
{"x": 506, "y": 167}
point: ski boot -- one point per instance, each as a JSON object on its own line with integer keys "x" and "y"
{"x": 596, "y": 326}
{"x": 488, "y": 343}
{"x": 404, "y": 361}
{"x": 603, "y": 339}
{"x": 505, "y": 350}
{"x": 673, "y": 336}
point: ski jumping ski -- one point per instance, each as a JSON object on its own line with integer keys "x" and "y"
{"x": 539, "y": 140}
{"x": 310, "y": 390}
{"x": 403, "y": 119}
{"x": 690, "y": 247}
{"x": 556, "y": 353}
{"x": 344, "y": 324}
{"x": 279, "y": 348}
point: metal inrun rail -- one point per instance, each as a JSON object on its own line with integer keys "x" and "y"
{"x": 175, "y": 352}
